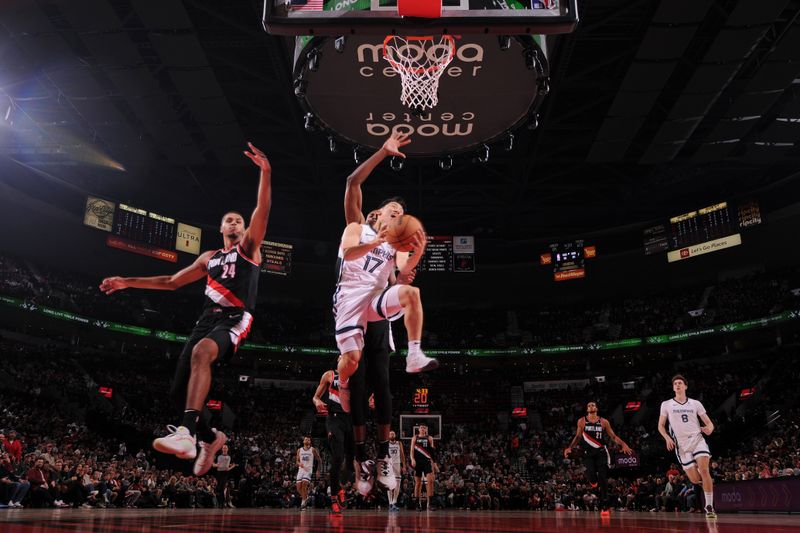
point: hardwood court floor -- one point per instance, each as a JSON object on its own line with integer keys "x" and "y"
{"x": 252, "y": 520}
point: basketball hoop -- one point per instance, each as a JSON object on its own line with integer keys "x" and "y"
{"x": 420, "y": 62}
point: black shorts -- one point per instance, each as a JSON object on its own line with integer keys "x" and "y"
{"x": 227, "y": 327}
{"x": 340, "y": 435}
{"x": 372, "y": 373}
{"x": 423, "y": 468}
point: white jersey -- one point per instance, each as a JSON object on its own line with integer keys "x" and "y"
{"x": 367, "y": 273}
{"x": 307, "y": 459}
{"x": 684, "y": 422}
{"x": 394, "y": 452}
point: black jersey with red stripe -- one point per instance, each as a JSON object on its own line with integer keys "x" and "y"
{"x": 332, "y": 395}
{"x": 423, "y": 448}
{"x": 594, "y": 437}
{"x": 232, "y": 279}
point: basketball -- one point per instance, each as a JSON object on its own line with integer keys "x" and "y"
{"x": 401, "y": 232}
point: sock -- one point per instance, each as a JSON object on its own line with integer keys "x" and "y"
{"x": 361, "y": 452}
{"x": 383, "y": 449}
{"x": 204, "y": 432}
{"x": 709, "y": 498}
{"x": 414, "y": 347}
{"x": 190, "y": 418}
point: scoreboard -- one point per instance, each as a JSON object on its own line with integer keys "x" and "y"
{"x": 448, "y": 254}
{"x": 420, "y": 403}
{"x": 276, "y": 258}
{"x": 568, "y": 259}
{"x": 146, "y": 227}
{"x": 707, "y": 229}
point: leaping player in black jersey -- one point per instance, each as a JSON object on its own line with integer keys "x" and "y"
{"x": 591, "y": 433}
{"x": 231, "y": 284}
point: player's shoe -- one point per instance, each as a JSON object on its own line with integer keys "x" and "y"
{"x": 344, "y": 396}
{"x": 710, "y": 513}
{"x": 419, "y": 362}
{"x": 365, "y": 478}
{"x": 341, "y": 498}
{"x": 205, "y": 459}
{"x": 605, "y": 513}
{"x": 179, "y": 442}
{"x": 335, "y": 508}
{"x": 304, "y": 504}
{"x": 386, "y": 473}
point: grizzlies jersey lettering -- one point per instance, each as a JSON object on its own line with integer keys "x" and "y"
{"x": 593, "y": 435}
{"x": 366, "y": 273}
{"x": 232, "y": 280}
{"x": 394, "y": 452}
{"x": 683, "y": 418}
{"x": 307, "y": 459}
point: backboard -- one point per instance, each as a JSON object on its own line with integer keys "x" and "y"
{"x": 380, "y": 17}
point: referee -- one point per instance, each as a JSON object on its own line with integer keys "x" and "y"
{"x": 223, "y": 465}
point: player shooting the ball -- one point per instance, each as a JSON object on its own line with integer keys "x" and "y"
{"x": 367, "y": 258}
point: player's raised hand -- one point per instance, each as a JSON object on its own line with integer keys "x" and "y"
{"x": 113, "y": 284}
{"x": 394, "y": 143}
{"x": 383, "y": 234}
{"x": 419, "y": 241}
{"x": 258, "y": 157}
{"x": 670, "y": 444}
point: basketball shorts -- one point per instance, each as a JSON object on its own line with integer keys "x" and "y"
{"x": 353, "y": 310}
{"x": 689, "y": 449}
{"x": 423, "y": 468}
{"x": 227, "y": 327}
{"x": 398, "y": 470}
{"x": 303, "y": 475}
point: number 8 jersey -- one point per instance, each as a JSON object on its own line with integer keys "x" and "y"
{"x": 684, "y": 423}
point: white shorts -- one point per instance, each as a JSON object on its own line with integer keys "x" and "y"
{"x": 303, "y": 475}
{"x": 398, "y": 471}
{"x": 353, "y": 310}
{"x": 687, "y": 451}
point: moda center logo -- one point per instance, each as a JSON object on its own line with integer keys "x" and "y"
{"x": 355, "y": 93}
{"x": 733, "y": 496}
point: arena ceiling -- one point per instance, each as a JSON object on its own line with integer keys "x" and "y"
{"x": 655, "y": 107}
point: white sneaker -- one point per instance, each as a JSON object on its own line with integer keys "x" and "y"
{"x": 179, "y": 442}
{"x": 365, "y": 478}
{"x": 386, "y": 473}
{"x": 419, "y": 362}
{"x": 205, "y": 459}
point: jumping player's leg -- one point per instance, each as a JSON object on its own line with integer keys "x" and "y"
{"x": 377, "y": 370}
{"x": 405, "y": 299}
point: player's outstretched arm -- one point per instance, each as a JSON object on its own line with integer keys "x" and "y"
{"x": 352, "y": 192}
{"x": 621, "y": 443}
{"x": 192, "y": 273}
{"x": 575, "y": 439}
{"x": 406, "y": 262}
{"x": 662, "y": 428}
{"x": 324, "y": 383}
{"x": 708, "y": 425}
{"x": 258, "y": 221}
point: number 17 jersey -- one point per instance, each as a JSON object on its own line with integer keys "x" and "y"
{"x": 369, "y": 272}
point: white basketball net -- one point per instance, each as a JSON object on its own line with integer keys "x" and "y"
{"x": 420, "y": 61}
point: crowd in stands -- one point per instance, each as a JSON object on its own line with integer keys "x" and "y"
{"x": 755, "y": 296}
{"x": 63, "y": 444}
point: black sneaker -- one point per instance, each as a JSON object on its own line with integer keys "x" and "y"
{"x": 710, "y": 512}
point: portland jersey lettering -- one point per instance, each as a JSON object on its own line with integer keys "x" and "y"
{"x": 232, "y": 280}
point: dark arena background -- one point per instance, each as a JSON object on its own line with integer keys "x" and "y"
{"x": 610, "y": 195}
